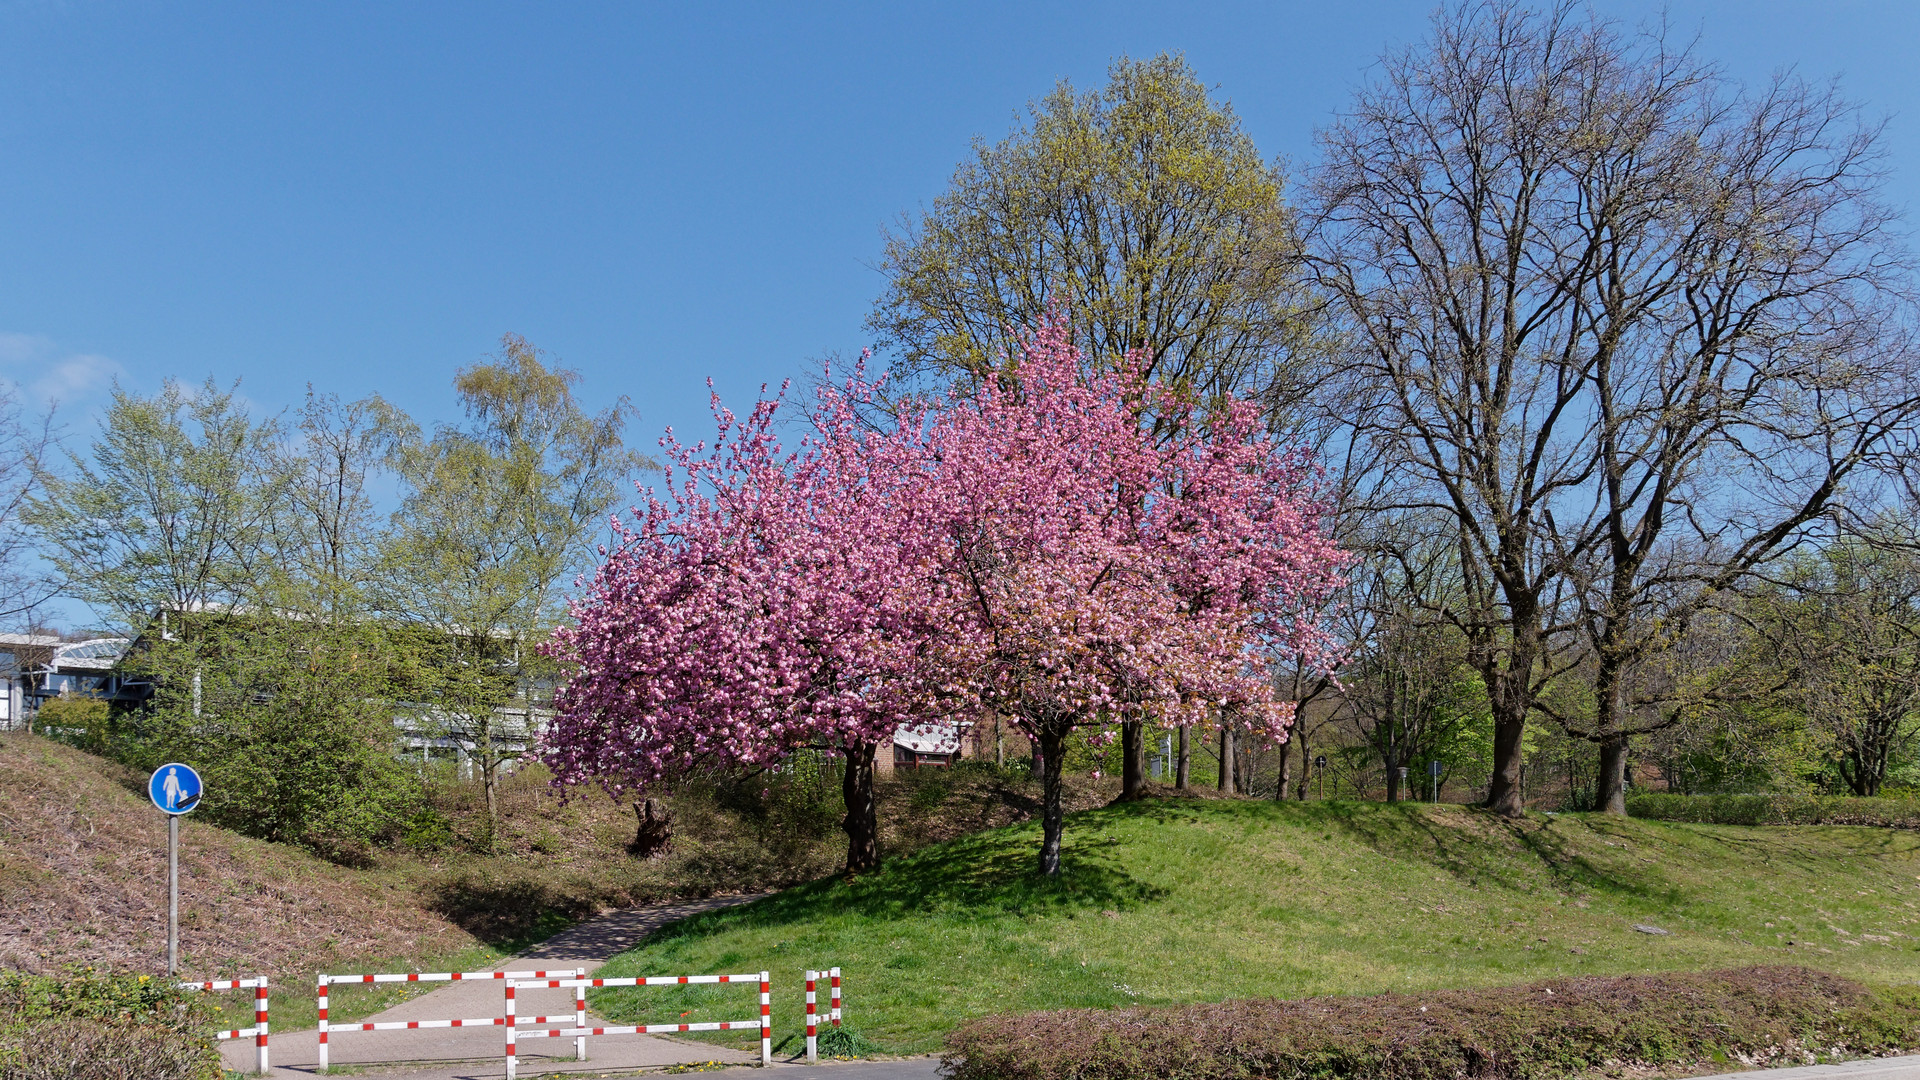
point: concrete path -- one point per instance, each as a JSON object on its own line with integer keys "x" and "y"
{"x": 1893, "y": 1068}
{"x": 446, "y": 1053}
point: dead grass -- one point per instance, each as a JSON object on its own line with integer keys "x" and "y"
{"x": 83, "y": 867}
{"x": 83, "y": 880}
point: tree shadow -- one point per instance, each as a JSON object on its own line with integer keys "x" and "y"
{"x": 977, "y": 878}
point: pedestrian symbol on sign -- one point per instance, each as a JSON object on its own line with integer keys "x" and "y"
{"x": 174, "y": 788}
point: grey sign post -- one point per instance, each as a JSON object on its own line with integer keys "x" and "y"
{"x": 1433, "y": 770}
{"x": 176, "y": 790}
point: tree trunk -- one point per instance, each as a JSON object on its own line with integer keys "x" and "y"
{"x": 1280, "y": 781}
{"x": 653, "y": 839}
{"x": 1503, "y": 791}
{"x": 1180, "y": 774}
{"x": 1053, "y": 744}
{"x": 1610, "y": 779}
{"x": 862, "y": 823}
{"x": 1611, "y": 796}
{"x": 487, "y": 776}
{"x": 1226, "y": 758}
{"x": 1393, "y": 779}
{"x": 1133, "y": 764}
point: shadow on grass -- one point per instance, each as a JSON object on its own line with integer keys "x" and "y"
{"x": 505, "y": 911}
{"x": 977, "y": 878}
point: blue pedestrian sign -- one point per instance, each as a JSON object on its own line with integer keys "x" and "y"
{"x": 174, "y": 788}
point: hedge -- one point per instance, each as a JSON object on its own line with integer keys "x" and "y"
{"x": 1546, "y": 1030}
{"x": 95, "y": 1025}
{"x": 1776, "y": 810}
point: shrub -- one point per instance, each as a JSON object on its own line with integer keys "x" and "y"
{"x": 91, "y": 1025}
{"x": 79, "y": 721}
{"x": 1776, "y": 810}
{"x": 1552, "y": 1029}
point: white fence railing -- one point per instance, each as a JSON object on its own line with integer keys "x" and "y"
{"x": 258, "y": 1032}
{"x": 580, "y": 1031}
{"x": 505, "y": 978}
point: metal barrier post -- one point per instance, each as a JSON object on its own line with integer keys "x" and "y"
{"x": 580, "y": 1016}
{"x": 813, "y": 1046}
{"x": 323, "y": 1022}
{"x": 766, "y": 1018}
{"x": 513, "y": 1025}
{"x": 260, "y": 1027}
{"x": 836, "y": 997}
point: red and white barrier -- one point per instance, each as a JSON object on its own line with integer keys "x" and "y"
{"x": 505, "y": 978}
{"x": 813, "y": 1048}
{"x": 258, "y": 1032}
{"x": 515, "y": 1033}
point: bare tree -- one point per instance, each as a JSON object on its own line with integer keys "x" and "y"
{"x": 27, "y": 441}
{"x": 1632, "y": 329}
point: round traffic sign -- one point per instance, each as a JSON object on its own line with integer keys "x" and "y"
{"x": 174, "y": 788}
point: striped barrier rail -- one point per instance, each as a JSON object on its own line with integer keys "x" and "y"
{"x": 813, "y": 1047}
{"x": 258, "y": 1032}
{"x": 515, "y": 1033}
{"x": 505, "y": 978}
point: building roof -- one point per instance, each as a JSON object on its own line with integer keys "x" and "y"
{"x": 96, "y": 654}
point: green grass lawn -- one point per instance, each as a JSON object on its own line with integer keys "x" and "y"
{"x": 1175, "y": 901}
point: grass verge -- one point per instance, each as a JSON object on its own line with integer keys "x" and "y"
{"x": 1566, "y": 1028}
{"x": 1175, "y": 902}
{"x": 1887, "y": 813}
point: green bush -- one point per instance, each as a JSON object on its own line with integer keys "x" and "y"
{"x": 1563, "y": 1028}
{"x": 1892, "y": 813}
{"x": 79, "y": 721}
{"x": 93, "y": 1025}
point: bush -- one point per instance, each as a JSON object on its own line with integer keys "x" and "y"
{"x": 84, "y": 722}
{"x": 1776, "y": 810}
{"x": 90, "y": 1025}
{"x": 1552, "y": 1029}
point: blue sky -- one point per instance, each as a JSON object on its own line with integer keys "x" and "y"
{"x": 366, "y": 196}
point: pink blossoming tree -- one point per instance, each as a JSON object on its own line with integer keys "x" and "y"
{"x": 1029, "y": 548}
{"x": 1106, "y": 577}
{"x": 763, "y": 603}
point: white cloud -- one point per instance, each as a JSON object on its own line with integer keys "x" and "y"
{"x": 44, "y": 374}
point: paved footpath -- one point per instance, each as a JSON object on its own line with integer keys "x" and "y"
{"x": 1893, "y": 1068}
{"x": 450, "y": 1053}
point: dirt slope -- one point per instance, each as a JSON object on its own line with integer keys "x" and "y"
{"x": 83, "y": 879}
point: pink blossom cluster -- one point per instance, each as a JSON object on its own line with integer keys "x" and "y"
{"x": 764, "y": 601}
{"x": 1110, "y": 576}
{"x": 1030, "y": 547}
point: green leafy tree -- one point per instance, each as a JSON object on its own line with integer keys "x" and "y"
{"x": 498, "y": 515}
{"x": 1842, "y": 626}
{"x": 290, "y": 719}
{"x": 238, "y": 553}
{"x": 169, "y": 509}
{"x": 1142, "y": 211}
{"x": 326, "y": 533}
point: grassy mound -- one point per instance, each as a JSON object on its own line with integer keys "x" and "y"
{"x": 1566, "y": 1028}
{"x": 83, "y": 880}
{"x": 556, "y": 861}
{"x": 1176, "y": 902}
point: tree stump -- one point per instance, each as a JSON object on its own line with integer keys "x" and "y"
{"x": 654, "y": 838}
